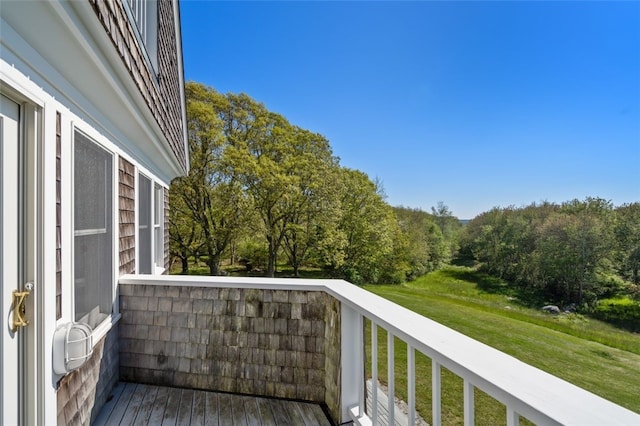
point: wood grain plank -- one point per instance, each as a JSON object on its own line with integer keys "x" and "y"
{"x": 184, "y": 408}
{"x": 109, "y": 406}
{"x": 198, "y": 410}
{"x": 308, "y": 418}
{"x": 224, "y": 407}
{"x": 147, "y": 405}
{"x": 135, "y": 400}
{"x": 238, "y": 415}
{"x": 265, "y": 412}
{"x": 280, "y": 412}
{"x": 211, "y": 410}
{"x": 121, "y": 406}
{"x": 318, "y": 413}
{"x": 251, "y": 411}
{"x": 159, "y": 405}
{"x": 171, "y": 410}
{"x": 139, "y": 404}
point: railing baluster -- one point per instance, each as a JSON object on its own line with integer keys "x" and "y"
{"x": 513, "y": 418}
{"x": 362, "y": 395}
{"x": 411, "y": 383}
{"x": 374, "y": 373}
{"x": 436, "y": 400}
{"x": 468, "y": 403}
{"x": 391, "y": 378}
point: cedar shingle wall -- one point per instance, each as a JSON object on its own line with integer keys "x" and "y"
{"x": 162, "y": 91}
{"x": 169, "y": 78}
{"x": 58, "y": 217}
{"x": 82, "y": 393}
{"x": 127, "y": 216}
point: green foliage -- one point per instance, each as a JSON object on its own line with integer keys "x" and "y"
{"x": 627, "y": 235}
{"x": 574, "y": 253}
{"x": 253, "y": 256}
{"x": 426, "y": 247}
{"x": 368, "y": 226}
{"x": 208, "y": 204}
{"x": 624, "y": 312}
{"x": 450, "y": 227}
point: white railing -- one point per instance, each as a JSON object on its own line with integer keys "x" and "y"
{"x": 524, "y": 390}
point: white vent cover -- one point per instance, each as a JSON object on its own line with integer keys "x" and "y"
{"x": 72, "y": 346}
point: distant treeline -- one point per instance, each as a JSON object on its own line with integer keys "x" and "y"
{"x": 262, "y": 192}
{"x": 578, "y": 252}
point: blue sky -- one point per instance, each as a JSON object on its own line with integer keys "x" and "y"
{"x": 476, "y": 104}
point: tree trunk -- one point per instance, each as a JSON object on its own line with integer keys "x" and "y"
{"x": 213, "y": 261}
{"x": 185, "y": 265}
{"x": 184, "y": 260}
{"x": 214, "y": 265}
{"x": 271, "y": 263}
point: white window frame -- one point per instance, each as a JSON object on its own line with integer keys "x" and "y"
{"x": 158, "y": 228}
{"x": 68, "y": 296}
{"x": 143, "y": 15}
{"x": 156, "y": 206}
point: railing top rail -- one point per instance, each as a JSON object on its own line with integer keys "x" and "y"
{"x": 537, "y": 395}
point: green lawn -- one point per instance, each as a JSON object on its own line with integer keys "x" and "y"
{"x": 586, "y": 352}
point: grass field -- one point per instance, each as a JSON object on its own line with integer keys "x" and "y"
{"x": 585, "y": 352}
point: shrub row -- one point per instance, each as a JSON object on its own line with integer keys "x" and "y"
{"x": 623, "y": 312}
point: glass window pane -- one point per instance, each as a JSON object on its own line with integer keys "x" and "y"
{"x": 144, "y": 225}
{"x": 93, "y": 240}
{"x": 158, "y": 234}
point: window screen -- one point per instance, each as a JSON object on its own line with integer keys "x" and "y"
{"x": 93, "y": 233}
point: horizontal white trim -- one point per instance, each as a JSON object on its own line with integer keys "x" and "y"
{"x": 537, "y": 395}
{"x": 104, "y": 327}
{"x": 84, "y": 232}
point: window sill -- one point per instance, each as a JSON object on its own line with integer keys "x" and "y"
{"x": 103, "y": 328}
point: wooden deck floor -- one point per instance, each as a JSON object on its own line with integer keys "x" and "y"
{"x": 138, "y": 404}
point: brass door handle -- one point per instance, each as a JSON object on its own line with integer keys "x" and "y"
{"x": 19, "y": 309}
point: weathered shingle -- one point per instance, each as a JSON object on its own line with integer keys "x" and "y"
{"x": 161, "y": 90}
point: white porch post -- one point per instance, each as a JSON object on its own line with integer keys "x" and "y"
{"x": 352, "y": 361}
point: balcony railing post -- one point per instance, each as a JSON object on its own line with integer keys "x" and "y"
{"x": 513, "y": 418}
{"x": 352, "y": 361}
{"x": 411, "y": 383}
{"x": 391, "y": 377}
{"x": 374, "y": 373}
{"x": 468, "y": 403}
{"x": 436, "y": 404}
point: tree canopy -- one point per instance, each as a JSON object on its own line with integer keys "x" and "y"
{"x": 577, "y": 252}
{"x": 276, "y": 192}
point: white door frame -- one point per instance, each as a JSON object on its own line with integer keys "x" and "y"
{"x": 24, "y": 406}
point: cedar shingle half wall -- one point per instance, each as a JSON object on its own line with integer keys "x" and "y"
{"x": 252, "y": 341}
